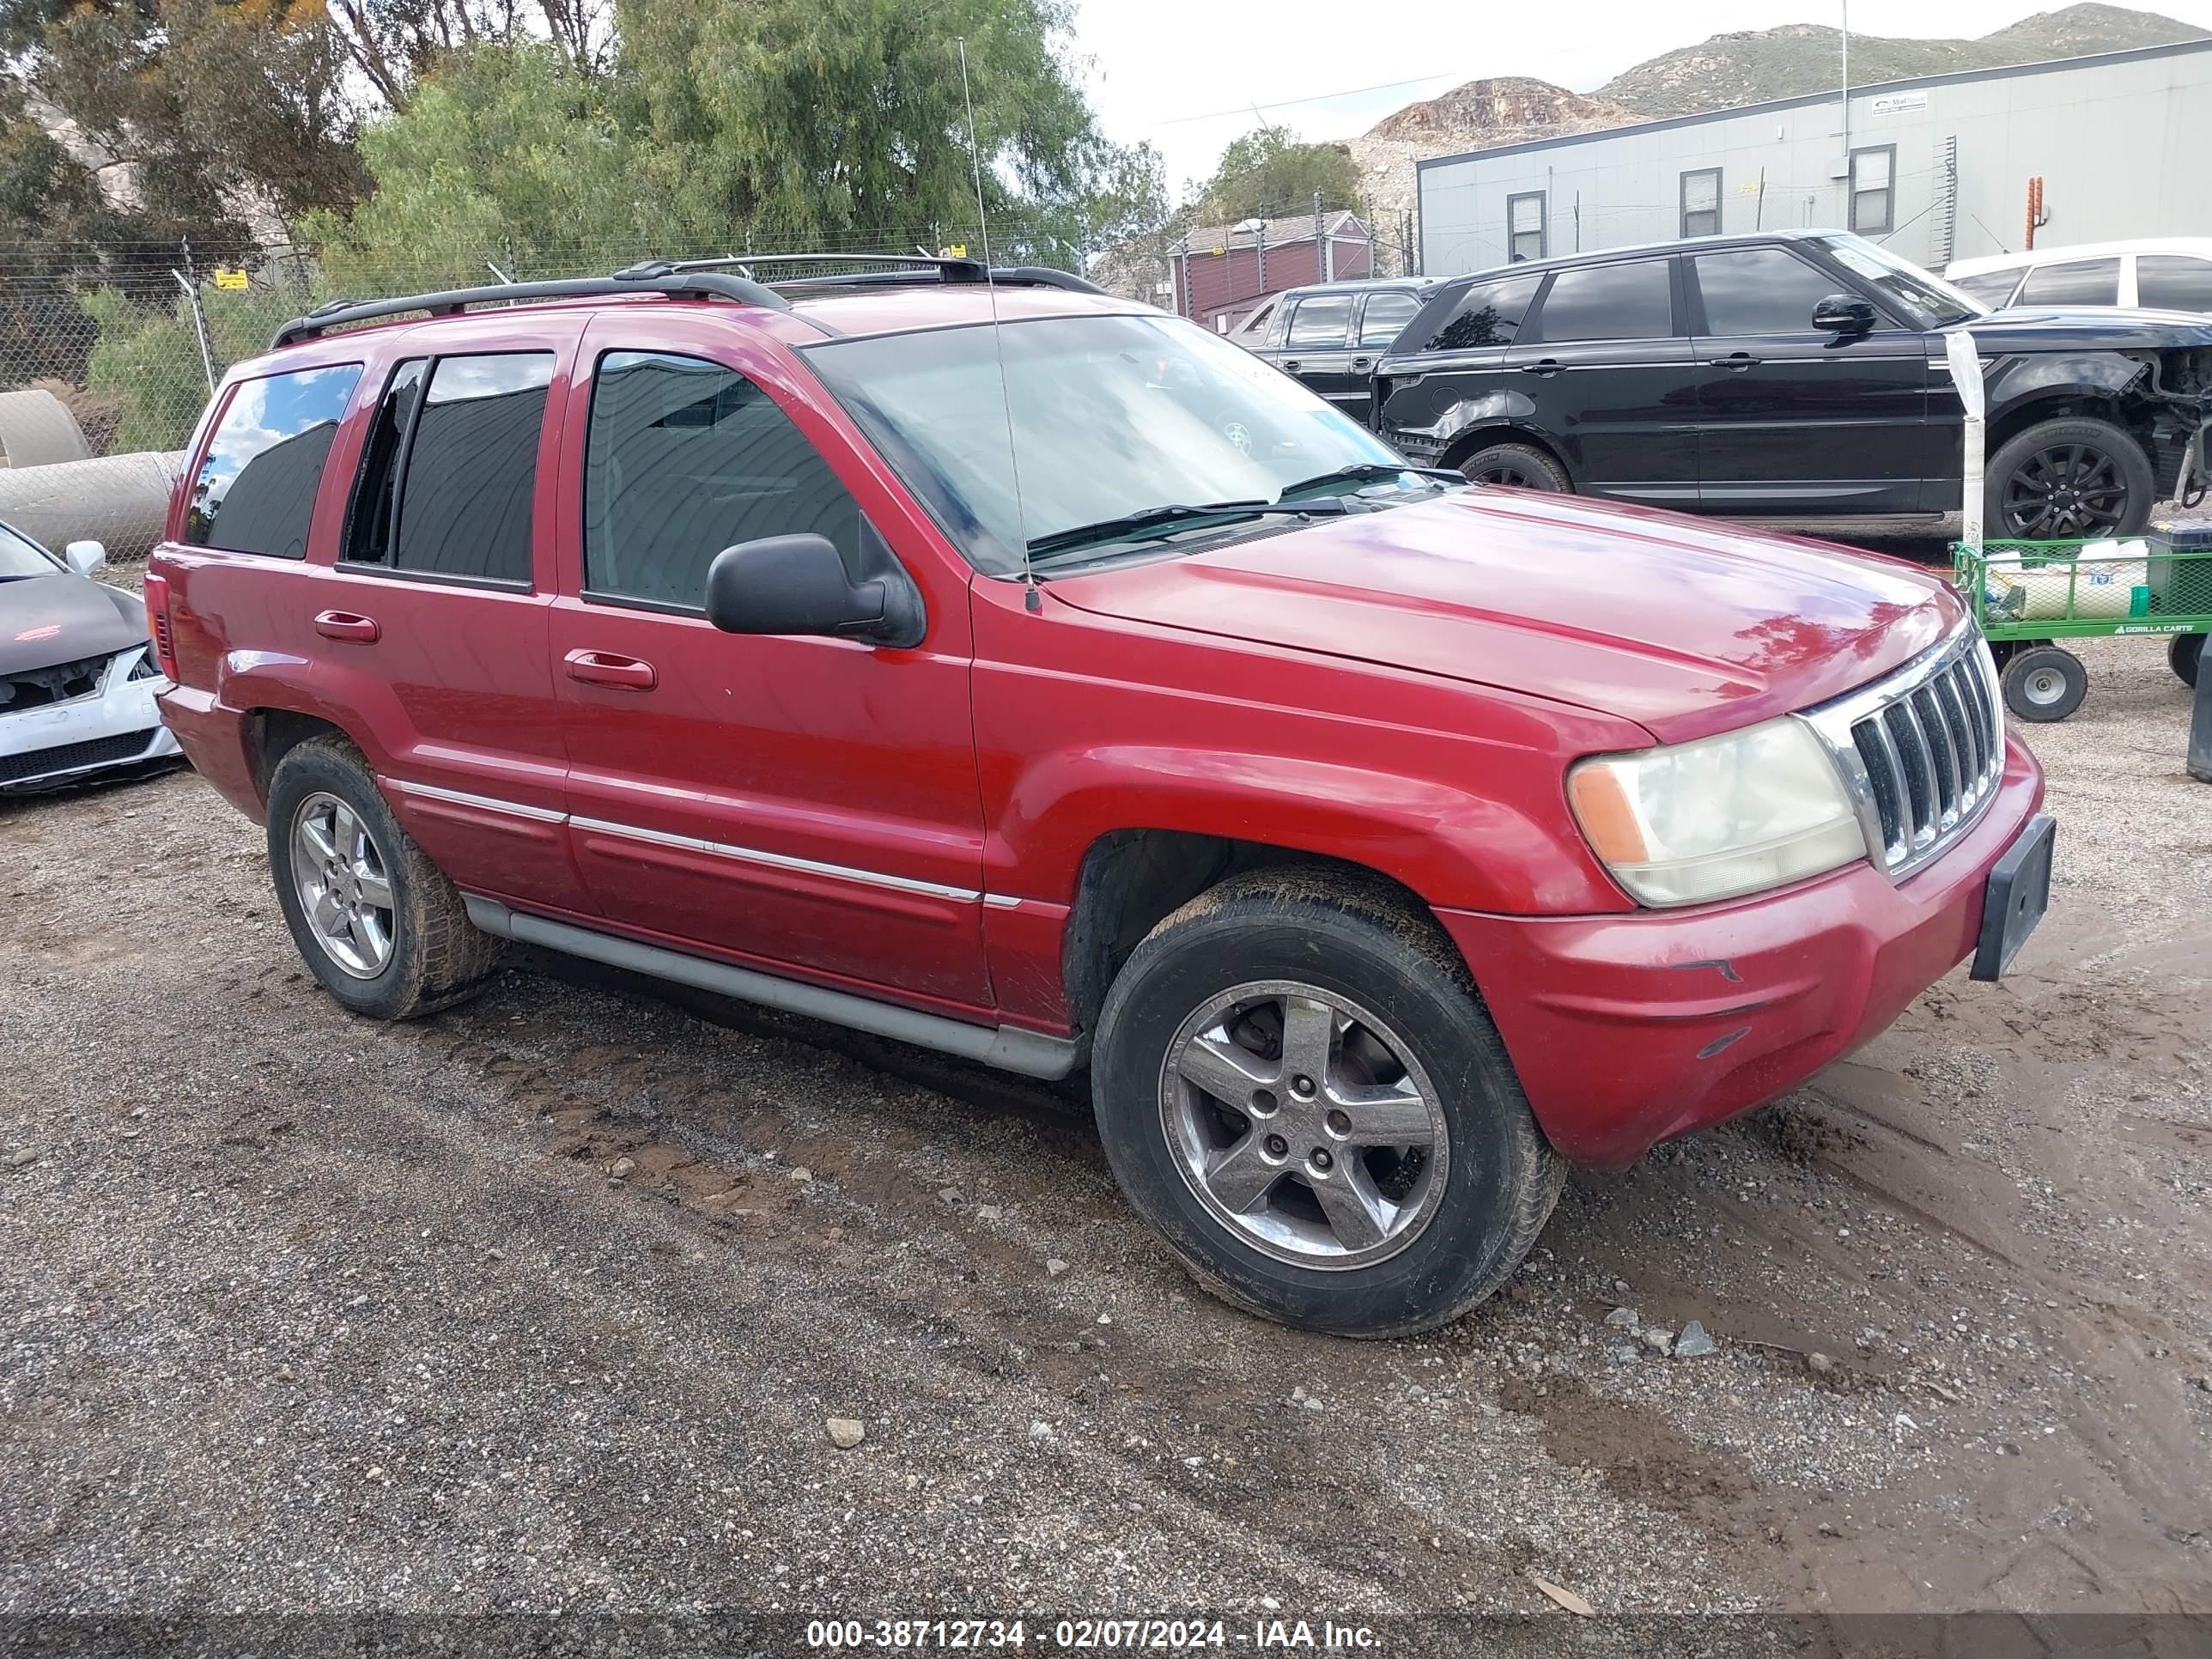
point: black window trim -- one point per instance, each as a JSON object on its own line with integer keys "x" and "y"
{"x": 1677, "y": 302}
{"x": 199, "y": 461}
{"x": 1888, "y": 225}
{"x": 1682, "y": 189}
{"x": 437, "y": 577}
{"x": 1543, "y": 226}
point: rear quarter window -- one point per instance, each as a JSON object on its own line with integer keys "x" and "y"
{"x": 255, "y": 488}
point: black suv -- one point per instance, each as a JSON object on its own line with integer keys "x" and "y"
{"x": 1792, "y": 374}
{"x": 1331, "y": 335}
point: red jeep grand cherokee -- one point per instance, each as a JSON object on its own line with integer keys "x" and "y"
{"x": 1025, "y": 673}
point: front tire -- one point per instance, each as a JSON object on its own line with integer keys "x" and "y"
{"x": 2071, "y": 479}
{"x": 1297, "y": 1086}
{"x": 380, "y": 927}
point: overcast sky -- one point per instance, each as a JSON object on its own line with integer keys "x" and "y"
{"x": 1186, "y": 74}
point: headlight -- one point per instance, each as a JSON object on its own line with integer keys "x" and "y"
{"x": 1720, "y": 816}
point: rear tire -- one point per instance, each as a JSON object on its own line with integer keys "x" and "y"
{"x": 2185, "y": 657}
{"x": 1378, "y": 1172}
{"x": 2044, "y": 682}
{"x": 1519, "y": 467}
{"x": 383, "y": 930}
{"x": 2070, "y": 479}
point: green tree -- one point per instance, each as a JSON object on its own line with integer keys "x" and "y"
{"x": 1266, "y": 173}
{"x": 148, "y": 357}
{"x": 509, "y": 154}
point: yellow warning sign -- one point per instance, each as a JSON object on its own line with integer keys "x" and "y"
{"x": 227, "y": 277}
{"x": 953, "y": 251}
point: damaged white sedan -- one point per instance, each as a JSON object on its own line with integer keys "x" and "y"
{"x": 77, "y": 676}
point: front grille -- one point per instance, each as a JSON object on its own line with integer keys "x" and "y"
{"x": 34, "y": 688}
{"x": 71, "y": 757}
{"x": 1921, "y": 751}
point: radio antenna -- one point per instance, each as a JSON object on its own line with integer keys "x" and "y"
{"x": 1030, "y": 597}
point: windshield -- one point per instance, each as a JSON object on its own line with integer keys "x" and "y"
{"x": 21, "y": 557}
{"x": 1111, "y": 416}
{"x": 1924, "y": 297}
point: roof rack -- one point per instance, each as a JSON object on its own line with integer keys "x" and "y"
{"x": 688, "y": 279}
{"x": 341, "y": 313}
{"x": 909, "y": 268}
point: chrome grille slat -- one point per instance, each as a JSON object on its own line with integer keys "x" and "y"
{"x": 1921, "y": 752}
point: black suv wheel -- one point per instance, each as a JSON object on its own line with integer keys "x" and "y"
{"x": 2071, "y": 479}
{"x": 1521, "y": 465}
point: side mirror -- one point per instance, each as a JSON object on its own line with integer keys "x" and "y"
{"x": 798, "y": 585}
{"x": 1845, "y": 313}
{"x": 84, "y": 557}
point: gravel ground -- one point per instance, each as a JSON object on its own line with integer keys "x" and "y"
{"x": 543, "y": 1304}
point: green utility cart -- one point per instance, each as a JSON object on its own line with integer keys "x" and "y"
{"x": 2028, "y": 595}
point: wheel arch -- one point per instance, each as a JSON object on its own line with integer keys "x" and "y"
{"x": 1132, "y": 880}
{"x": 1503, "y": 432}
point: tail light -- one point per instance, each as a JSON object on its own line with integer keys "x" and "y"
{"x": 157, "y": 623}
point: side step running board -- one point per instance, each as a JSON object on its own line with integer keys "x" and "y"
{"x": 1010, "y": 1048}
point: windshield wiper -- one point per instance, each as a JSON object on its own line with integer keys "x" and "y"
{"x": 1368, "y": 472}
{"x": 1163, "y": 520}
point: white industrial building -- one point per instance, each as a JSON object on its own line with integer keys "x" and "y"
{"x": 1938, "y": 169}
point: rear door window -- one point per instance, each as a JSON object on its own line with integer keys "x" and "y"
{"x": 449, "y": 473}
{"x": 1632, "y": 302}
{"x": 2173, "y": 281}
{"x": 1488, "y": 314}
{"x": 2079, "y": 282}
{"x": 685, "y": 458}
{"x": 1323, "y": 320}
{"x": 1385, "y": 315}
{"x": 255, "y": 490}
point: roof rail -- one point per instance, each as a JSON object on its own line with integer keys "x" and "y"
{"x": 703, "y": 285}
{"x": 910, "y": 268}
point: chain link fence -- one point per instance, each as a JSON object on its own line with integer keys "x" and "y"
{"x": 132, "y": 336}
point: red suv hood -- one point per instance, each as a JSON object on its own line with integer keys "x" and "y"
{"x": 1685, "y": 627}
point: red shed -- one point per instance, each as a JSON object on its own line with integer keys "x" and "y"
{"x": 1221, "y": 271}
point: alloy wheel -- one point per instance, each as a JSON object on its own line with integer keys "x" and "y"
{"x": 1302, "y": 1122}
{"x": 1506, "y": 472}
{"x": 2067, "y": 492}
{"x": 343, "y": 886}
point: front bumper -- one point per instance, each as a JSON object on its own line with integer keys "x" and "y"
{"x": 1628, "y": 1029}
{"x": 118, "y": 725}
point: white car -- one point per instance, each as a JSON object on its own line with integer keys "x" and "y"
{"x": 78, "y": 675}
{"x": 2173, "y": 273}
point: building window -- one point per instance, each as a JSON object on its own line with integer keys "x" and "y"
{"x": 1701, "y": 203}
{"x": 1525, "y": 227}
{"x": 1873, "y": 196}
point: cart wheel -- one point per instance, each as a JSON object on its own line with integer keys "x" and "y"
{"x": 2044, "y": 682}
{"x": 2183, "y": 655}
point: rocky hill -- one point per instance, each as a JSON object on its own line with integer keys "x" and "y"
{"x": 1509, "y": 109}
{"x": 1797, "y": 58}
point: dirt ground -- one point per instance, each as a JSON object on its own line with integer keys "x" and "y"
{"x": 542, "y": 1303}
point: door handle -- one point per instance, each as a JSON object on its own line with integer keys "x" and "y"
{"x": 345, "y": 625}
{"x": 1734, "y": 360}
{"x": 1291, "y": 366}
{"x": 605, "y": 668}
{"x": 1363, "y": 362}
{"x": 1543, "y": 365}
